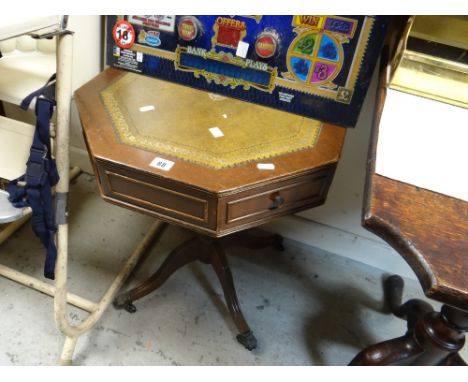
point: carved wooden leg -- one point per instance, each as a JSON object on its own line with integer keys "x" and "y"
{"x": 185, "y": 253}
{"x": 442, "y": 335}
{"x": 399, "y": 351}
{"x": 433, "y": 338}
{"x": 220, "y": 265}
{"x": 208, "y": 251}
{"x": 412, "y": 310}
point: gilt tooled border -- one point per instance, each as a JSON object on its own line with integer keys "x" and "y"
{"x": 306, "y": 138}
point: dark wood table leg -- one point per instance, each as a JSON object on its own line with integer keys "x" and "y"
{"x": 209, "y": 251}
{"x": 220, "y": 265}
{"x": 183, "y": 254}
{"x": 433, "y": 338}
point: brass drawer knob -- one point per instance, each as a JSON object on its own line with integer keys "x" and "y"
{"x": 278, "y": 201}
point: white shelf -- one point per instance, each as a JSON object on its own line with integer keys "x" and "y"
{"x": 21, "y": 74}
{"x": 15, "y": 142}
{"x": 11, "y": 27}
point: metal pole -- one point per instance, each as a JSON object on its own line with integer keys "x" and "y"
{"x": 60, "y": 290}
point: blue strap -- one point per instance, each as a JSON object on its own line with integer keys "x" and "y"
{"x": 48, "y": 91}
{"x": 41, "y": 175}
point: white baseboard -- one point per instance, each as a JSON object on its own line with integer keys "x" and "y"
{"x": 375, "y": 253}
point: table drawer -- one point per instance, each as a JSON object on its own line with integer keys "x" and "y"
{"x": 155, "y": 196}
{"x": 279, "y": 198}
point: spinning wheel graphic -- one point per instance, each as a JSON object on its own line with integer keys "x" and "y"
{"x": 315, "y": 58}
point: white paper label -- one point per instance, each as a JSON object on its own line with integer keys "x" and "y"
{"x": 146, "y": 108}
{"x": 265, "y": 166}
{"x": 216, "y": 132}
{"x": 139, "y": 56}
{"x": 162, "y": 164}
{"x": 285, "y": 97}
{"x": 242, "y": 49}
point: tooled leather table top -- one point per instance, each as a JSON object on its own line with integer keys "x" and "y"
{"x": 178, "y": 123}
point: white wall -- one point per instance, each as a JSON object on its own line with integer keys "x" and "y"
{"x": 87, "y": 53}
{"x": 334, "y": 227}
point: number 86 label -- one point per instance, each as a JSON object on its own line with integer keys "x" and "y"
{"x": 124, "y": 34}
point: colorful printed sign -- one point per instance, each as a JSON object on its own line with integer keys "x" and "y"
{"x": 313, "y": 65}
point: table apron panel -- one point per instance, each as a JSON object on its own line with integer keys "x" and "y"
{"x": 154, "y": 195}
{"x": 302, "y": 191}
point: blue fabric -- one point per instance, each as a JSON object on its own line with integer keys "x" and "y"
{"x": 41, "y": 175}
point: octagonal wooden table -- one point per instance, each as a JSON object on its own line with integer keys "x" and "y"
{"x": 212, "y": 164}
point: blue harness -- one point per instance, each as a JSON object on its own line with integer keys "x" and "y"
{"x": 41, "y": 175}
